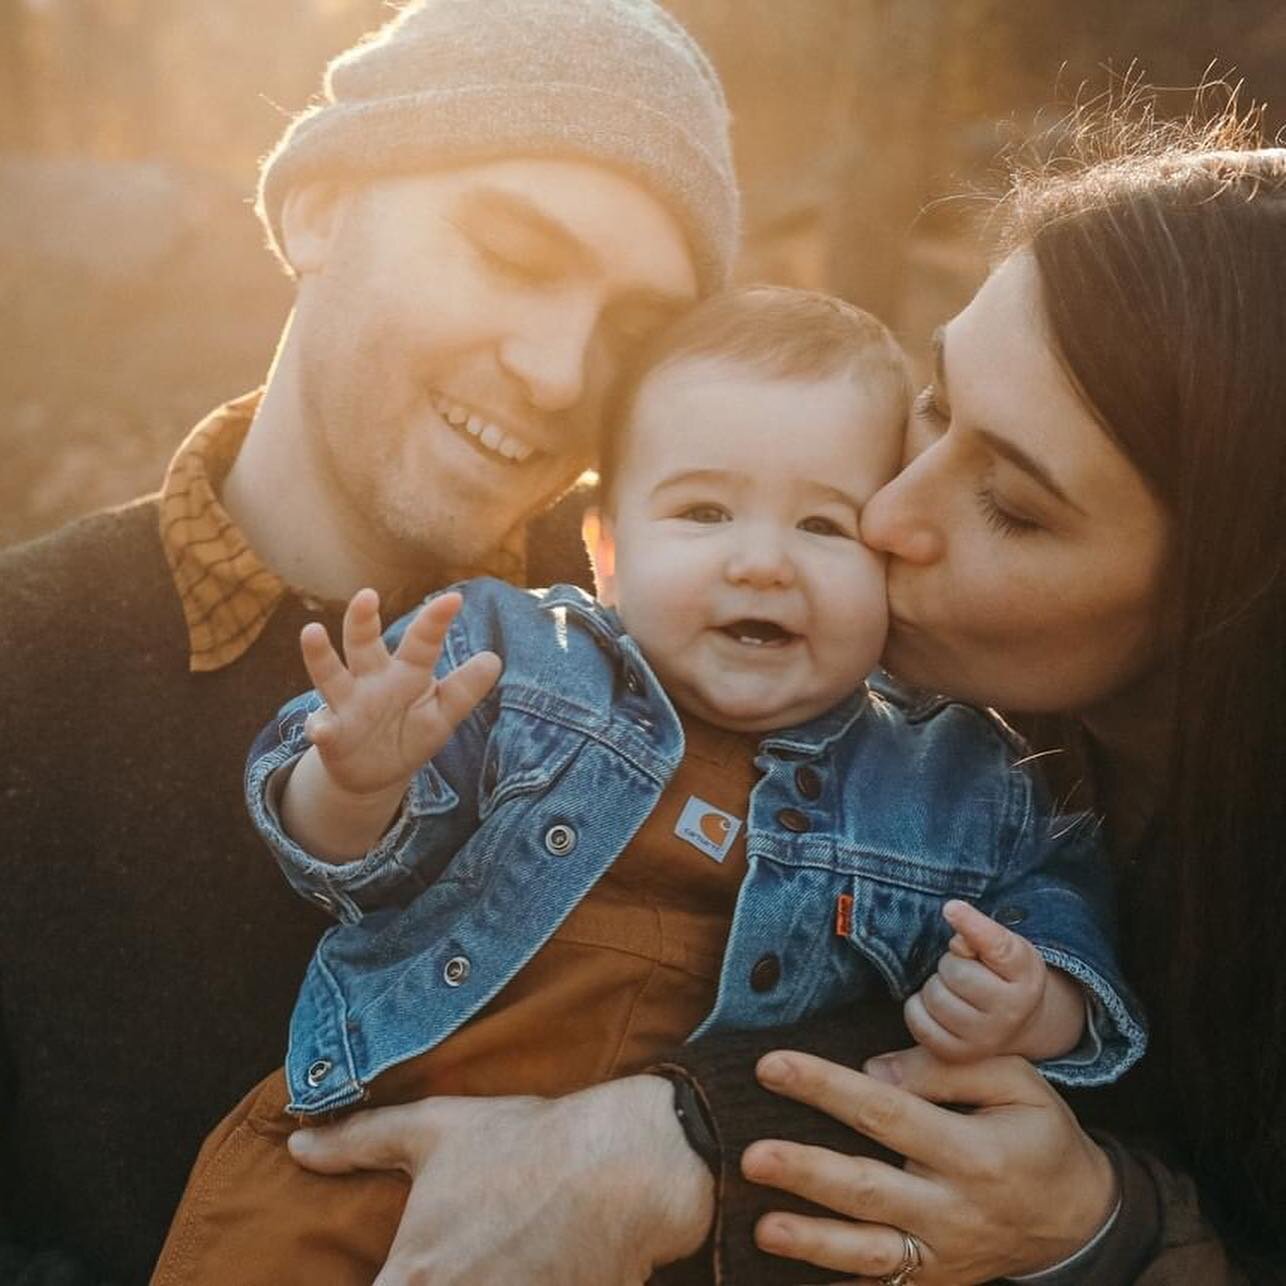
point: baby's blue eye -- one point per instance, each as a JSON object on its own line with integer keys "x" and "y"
{"x": 704, "y": 514}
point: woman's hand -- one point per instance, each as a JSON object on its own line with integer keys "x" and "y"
{"x": 1010, "y": 1188}
{"x": 596, "y": 1187}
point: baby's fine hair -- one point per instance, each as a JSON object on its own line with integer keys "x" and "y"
{"x": 777, "y": 331}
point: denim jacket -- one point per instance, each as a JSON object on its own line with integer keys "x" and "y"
{"x": 865, "y": 821}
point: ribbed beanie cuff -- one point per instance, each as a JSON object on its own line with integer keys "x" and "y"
{"x": 446, "y": 82}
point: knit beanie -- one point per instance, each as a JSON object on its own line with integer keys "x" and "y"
{"x": 448, "y": 81}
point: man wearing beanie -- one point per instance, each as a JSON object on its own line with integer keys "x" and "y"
{"x": 492, "y": 203}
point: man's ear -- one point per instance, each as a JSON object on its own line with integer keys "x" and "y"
{"x": 310, "y": 217}
{"x": 600, "y": 545}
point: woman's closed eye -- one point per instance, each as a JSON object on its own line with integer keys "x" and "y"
{"x": 928, "y": 408}
{"x": 1001, "y": 518}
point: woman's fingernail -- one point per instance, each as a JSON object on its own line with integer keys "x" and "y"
{"x": 774, "y": 1070}
{"x": 885, "y": 1068}
{"x": 758, "y": 1160}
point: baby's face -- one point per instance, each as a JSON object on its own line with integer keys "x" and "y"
{"x": 734, "y": 557}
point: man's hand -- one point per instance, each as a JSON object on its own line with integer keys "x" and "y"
{"x": 385, "y": 715}
{"x": 993, "y": 994}
{"x": 598, "y": 1187}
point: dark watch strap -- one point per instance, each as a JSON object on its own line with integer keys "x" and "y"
{"x": 694, "y": 1120}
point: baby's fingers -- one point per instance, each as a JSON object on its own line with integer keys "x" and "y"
{"x": 324, "y": 667}
{"x": 364, "y": 650}
{"x": 1002, "y": 951}
{"x": 463, "y": 688}
{"x": 926, "y": 1030}
{"x": 421, "y": 645}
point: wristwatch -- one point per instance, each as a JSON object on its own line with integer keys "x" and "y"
{"x": 693, "y": 1118}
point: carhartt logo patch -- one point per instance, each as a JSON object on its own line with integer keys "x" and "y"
{"x": 708, "y": 828}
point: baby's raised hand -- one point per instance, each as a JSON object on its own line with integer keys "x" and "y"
{"x": 386, "y": 713}
{"x": 993, "y": 994}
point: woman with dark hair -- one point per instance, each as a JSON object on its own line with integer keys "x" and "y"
{"x": 1087, "y": 533}
{"x": 1134, "y": 331}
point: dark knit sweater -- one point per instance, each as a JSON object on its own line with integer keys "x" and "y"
{"x": 149, "y": 950}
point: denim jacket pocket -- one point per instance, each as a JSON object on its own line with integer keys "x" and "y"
{"x": 895, "y": 918}
{"x": 525, "y": 754}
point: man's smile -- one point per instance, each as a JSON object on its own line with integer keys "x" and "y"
{"x": 493, "y": 441}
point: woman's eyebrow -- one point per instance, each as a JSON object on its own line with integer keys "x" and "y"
{"x": 1019, "y": 458}
{"x": 1002, "y": 446}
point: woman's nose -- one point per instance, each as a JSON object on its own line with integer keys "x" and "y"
{"x": 897, "y": 520}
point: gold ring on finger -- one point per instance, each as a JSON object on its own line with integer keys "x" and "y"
{"x": 912, "y": 1261}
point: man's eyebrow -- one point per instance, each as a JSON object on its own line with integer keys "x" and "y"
{"x": 496, "y": 203}
{"x": 1002, "y": 446}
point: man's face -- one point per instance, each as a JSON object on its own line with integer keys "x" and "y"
{"x": 455, "y": 342}
{"x": 732, "y": 550}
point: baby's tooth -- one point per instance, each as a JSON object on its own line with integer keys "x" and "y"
{"x": 508, "y": 448}
{"x": 490, "y": 435}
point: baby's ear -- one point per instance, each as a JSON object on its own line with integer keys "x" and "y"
{"x": 600, "y": 545}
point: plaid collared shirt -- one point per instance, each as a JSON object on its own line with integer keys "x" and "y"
{"x": 227, "y": 591}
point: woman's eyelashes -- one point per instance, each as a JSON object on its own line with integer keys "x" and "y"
{"x": 1000, "y": 519}
{"x": 927, "y": 408}
{"x": 930, "y": 412}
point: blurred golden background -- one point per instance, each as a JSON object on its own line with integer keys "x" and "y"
{"x": 135, "y": 293}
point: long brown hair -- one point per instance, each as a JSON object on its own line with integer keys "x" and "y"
{"x": 1163, "y": 274}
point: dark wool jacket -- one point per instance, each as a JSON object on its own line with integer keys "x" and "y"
{"x": 149, "y": 952}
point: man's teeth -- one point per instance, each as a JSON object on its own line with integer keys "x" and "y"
{"x": 489, "y": 435}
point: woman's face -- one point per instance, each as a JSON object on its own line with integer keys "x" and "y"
{"x": 1025, "y": 551}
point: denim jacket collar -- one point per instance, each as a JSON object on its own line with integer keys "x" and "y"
{"x": 807, "y": 739}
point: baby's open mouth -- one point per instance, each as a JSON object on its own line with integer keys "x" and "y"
{"x": 756, "y": 633}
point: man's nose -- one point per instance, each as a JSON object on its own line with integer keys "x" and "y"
{"x": 761, "y": 561}
{"x": 550, "y": 354}
{"x": 900, "y": 521}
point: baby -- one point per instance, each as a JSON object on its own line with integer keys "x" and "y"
{"x": 563, "y": 833}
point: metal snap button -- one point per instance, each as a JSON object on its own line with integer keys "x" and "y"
{"x": 456, "y": 970}
{"x": 808, "y": 782}
{"x": 633, "y": 683}
{"x": 766, "y": 973}
{"x": 793, "y": 820}
{"x": 317, "y": 1072}
{"x": 560, "y": 839}
{"x": 1011, "y": 915}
